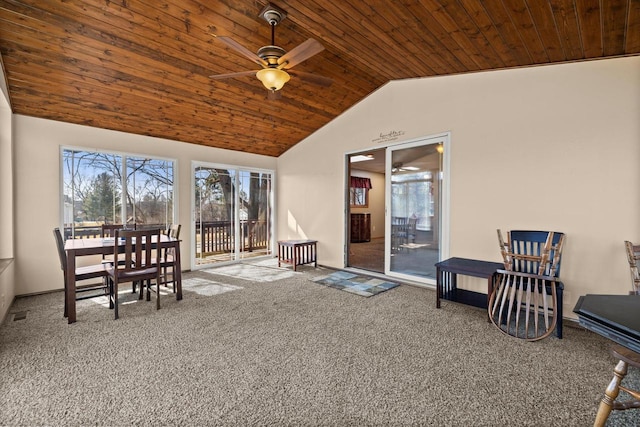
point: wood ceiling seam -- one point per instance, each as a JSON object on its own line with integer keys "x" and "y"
{"x": 457, "y": 41}
{"x": 407, "y": 28}
{"x": 632, "y": 39}
{"x": 590, "y": 27}
{"x": 518, "y": 11}
{"x": 336, "y": 36}
{"x": 442, "y": 36}
{"x": 473, "y": 33}
{"x": 614, "y": 40}
{"x": 504, "y": 23}
{"x": 412, "y": 65}
{"x": 565, "y": 14}
{"x": 422, "y": 18}
{"x": 547, "y": 31}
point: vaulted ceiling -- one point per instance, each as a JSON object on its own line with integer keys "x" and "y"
{"x": 143, "y": 66}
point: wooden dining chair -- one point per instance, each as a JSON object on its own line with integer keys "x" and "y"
{"x": 633, "y": 256}
{"x": 610, "y": 402}
{"x": 167, "y": 262}
{"x": 108, "y": 231}
{"x": 527, "y": 301}
{"x": 87, "y": 272}
{"x": 140, "y": 264}
{"x": 399, "y": 233}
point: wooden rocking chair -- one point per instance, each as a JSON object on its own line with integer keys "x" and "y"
{"x": 633, "y": 256}
{"x": 527, "y": 301}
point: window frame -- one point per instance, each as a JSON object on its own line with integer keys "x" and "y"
{"x": 124, "y": 156}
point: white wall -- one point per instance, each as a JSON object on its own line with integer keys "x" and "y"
{"x": 7, "y": 283}
{"x": 553, "y": 147}
{"x": 37, "y": 187}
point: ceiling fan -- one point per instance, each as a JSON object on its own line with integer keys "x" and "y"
{"x": 400, "y": 167}
{"x": 275, "y": 61}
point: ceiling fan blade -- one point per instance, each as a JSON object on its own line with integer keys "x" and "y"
{"x": 311, "y": 78}
{"x": 299, "y": 53}
{"x": 231, "y": 75}
{"x": 241, "y": 50}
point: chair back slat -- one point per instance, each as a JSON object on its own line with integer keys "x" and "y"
{"x": 528, "y": 251}
{"x": 138, "y": 248}
{"x": 523, "y": 305}
{"x": 108, "y": 230}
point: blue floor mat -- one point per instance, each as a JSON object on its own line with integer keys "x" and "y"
{"x": 356, "y": 284}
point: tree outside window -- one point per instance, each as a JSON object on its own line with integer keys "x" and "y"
{"x": 106, "y": 188}
{"x": 359, "y": 197}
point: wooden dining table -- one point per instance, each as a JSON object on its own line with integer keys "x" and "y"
{"x": 75, "y": 248}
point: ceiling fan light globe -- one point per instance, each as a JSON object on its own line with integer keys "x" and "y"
{"x": 273, "y": 78}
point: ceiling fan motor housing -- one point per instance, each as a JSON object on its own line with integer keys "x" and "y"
{"x": 271, "y": 54}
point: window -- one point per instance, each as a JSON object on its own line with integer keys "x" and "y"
{"x": 412, "y": 196}
{"x": 359, "y": 197}
{"x": 359, "y": 192}
{"x": 102, "y": 187}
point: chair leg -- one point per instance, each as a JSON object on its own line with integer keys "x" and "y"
{"x": 115, "y": 299}
{"x": 165, "y": 280}
{"x": 149, "y": 290}
{"x": 141, "y": 294}
{"x": 559, "y": 295}
{"x": 66, "y": 309}
{"x": 110, "y": 290}
{"x": 157, "y": 294}
{"x": 610, "y": 394}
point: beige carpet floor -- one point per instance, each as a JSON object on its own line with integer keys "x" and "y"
{"x": 257, "y": 345}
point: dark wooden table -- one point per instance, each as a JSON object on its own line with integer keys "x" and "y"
{"x": 104, "y": 246}
{"x": 446, "y": 280}
{"x": 616, "y": 317}
{"x": 297, "y": 252}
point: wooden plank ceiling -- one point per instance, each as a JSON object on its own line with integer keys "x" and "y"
{"x": 143, "y": 66}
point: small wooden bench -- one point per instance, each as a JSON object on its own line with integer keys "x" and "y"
{"x": 297, "y": 252}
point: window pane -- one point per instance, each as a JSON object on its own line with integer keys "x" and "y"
{"x": 91, "y": 191}
{"x": 149, "y": 191}
{"x": 255, "y": 213}
{"x": 215, "y": 213}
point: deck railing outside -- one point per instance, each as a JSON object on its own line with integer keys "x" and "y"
{"x": 212, "y": 237}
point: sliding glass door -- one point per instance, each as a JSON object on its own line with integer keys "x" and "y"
{"x": 254, "y": 213}
{"x": 402, "y": 229}
{"x": 414, "y": 209}
{"x": 232, "y": 214}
